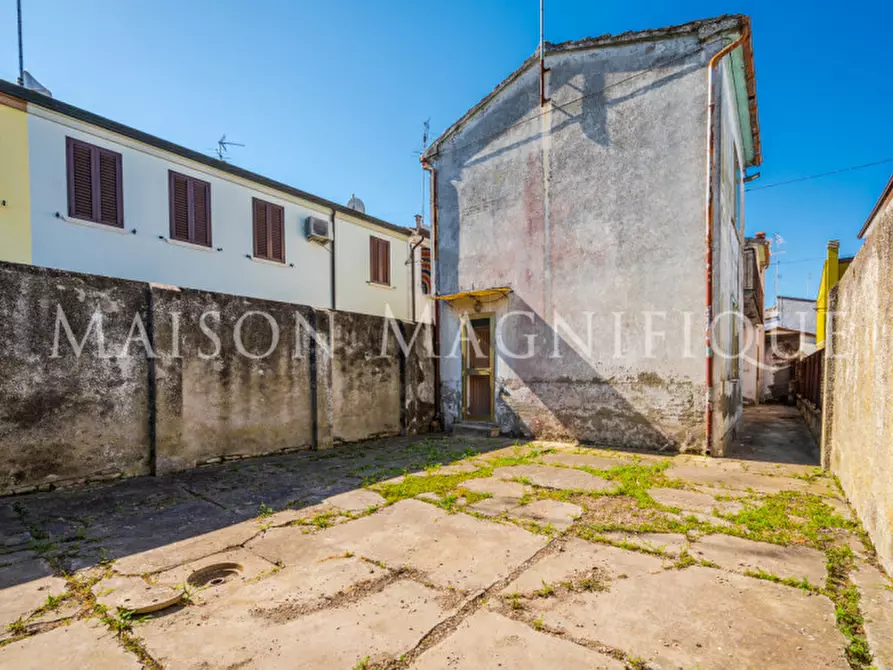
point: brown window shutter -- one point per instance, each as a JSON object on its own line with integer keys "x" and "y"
{"x": 384, "y": 248}
{"x": 110, "y": 197}
{"x": 179, "y": 195}
{"x": 261, "y": 240}
{"x": 277, "y": 233}
{"x": 201, "y": 212}
{"x": 373, "y": 259}
{"x": 80, "y": 180}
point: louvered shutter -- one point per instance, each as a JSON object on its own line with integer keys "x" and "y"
{"x": 201, "y": 206}
{"x": 260, "y": 228}
{"x": 373, "y": 259}
{"x": 80, "y": 180}
{"x": 179, "y": 195}
{"x": 110, "y": 200}
{"x": 277, "y": 233}
{"x": 385, "y": 262}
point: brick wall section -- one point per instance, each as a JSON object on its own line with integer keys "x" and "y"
{"x": 857, "y": 438}
{"x": 69, "y": 419}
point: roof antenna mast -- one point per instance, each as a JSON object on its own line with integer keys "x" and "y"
{"x": 223, "y": 146}
{"x": 542, "y": 50}
{"x": 21, "y": 54}
{"x": 425, "y": 129}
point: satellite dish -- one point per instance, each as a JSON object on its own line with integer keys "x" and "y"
{"x": 356, "y": 204}
{"x": 32, "y": 84}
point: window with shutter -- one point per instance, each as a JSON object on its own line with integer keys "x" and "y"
{"x": 269, "y": 230}
{"x": 95, "y": 188}
{"x": 190, "y": 209}
{"x": 379, "y": 261}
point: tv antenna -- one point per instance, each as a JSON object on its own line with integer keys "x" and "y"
{"x": 426, "y": 127}
{"x": 223, "y": 146}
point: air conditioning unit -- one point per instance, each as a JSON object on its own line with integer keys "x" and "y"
{"x": 317, "y": 229}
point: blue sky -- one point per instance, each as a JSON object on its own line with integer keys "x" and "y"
{"x": 331, "y": 96}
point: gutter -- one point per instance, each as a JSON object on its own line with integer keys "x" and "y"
{"x": 708, "y": 233}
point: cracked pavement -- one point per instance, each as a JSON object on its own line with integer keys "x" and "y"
{"x": 439, "y": 552}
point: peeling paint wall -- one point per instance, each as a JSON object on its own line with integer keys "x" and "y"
{"x": 164, "y": 385}
{"x": 592, "y": 207}
{"x": 857, "y": 433}
{"x": 69, "y": 418}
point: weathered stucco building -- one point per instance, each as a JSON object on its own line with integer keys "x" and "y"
{"x": 588, "y": 214}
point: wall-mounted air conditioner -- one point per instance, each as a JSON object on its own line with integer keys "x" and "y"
{"x": 317, "y": 230}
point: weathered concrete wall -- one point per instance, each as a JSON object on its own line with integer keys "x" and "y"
{"x": 857, "y": 436}
{"x": 214, "y": 401}
{"x": 171, "y": 378}
{"x": 66, "y": 417}
{"x": 591, "y": 207}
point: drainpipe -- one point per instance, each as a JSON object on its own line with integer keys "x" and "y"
{"x": 332, "y": 266}
{"x": 411, "y": 261}
{"x": 711, "y": 142}
{"x": 435, "y": 328}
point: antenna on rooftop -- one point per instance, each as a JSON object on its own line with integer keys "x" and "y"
{"x": 21, "y": 53}
{"x": 223, "y": 146}
{"x": 777, "y": 240}
{"x": 425, "y": 130}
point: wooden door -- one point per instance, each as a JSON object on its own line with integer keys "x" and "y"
{"x": 477, "y": 370}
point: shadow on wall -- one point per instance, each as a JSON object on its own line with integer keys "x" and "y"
{"x": 560, "y": 394}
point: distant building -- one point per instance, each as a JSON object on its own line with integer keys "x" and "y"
{"x": 83, "y": 193}
{"x": 832, "y": 272}
{"x": 756, "y": 260}
{"x": 570, "y": 210}
{"x": 790, "y": 336}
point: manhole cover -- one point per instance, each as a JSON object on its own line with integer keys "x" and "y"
{"x": 215, "y": 575}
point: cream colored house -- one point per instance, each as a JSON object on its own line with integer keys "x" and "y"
{"x": 83, "y": 193}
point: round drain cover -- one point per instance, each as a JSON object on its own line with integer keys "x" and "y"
{"x": 215, "y": 575}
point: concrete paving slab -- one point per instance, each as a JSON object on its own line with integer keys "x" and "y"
{"x": 119, "y": 592}
{"x": 489, "y": 641}
{"x": 587, "y": 460}
{"x": 578, "y": 558}
{"x": 83, "y": 644}
{"x": 555, "y": 478}
{"x": 659, "y": 542}
{"x": 290, "y": 545}
{"x": 494, "y": 506}
{"x": 549, "y": 513}
{"x": 20, "y": 599}
{"x": 382, "y": 625}
{"x": 703, "y": 618}
{"x": 743, "y": 480}
{"x": 498, "y": 488}
{"x": 213, "y": 576}
{"x": 694, "y": 501}
{"x": 877, "y": 608}
{"x": 455, "y": 469}
{"x": 736, "y": 553}
{"x": 358, "y": 500}
{"x": 171, "y": 555}
{"x": 451, "y": 549}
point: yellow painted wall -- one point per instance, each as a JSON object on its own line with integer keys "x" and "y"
{"x": 831, "y": 274}
{"x": 15, "y": 216}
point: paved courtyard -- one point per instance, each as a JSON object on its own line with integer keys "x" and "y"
{"x": 439, "y": 552}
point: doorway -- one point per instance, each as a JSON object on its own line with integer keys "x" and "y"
{"x": 477, "y": 368}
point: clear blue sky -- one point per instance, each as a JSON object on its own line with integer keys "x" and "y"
{"x": 331, "y": 96}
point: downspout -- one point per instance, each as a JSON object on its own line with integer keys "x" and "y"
{"x": 332, "y": 266}
{"x": 434, "y": 272}
{"x": 412, "y": 250}
{"x": 711, "y": 142}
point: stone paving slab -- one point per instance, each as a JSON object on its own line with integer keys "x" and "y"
{"x": 736, "y": 553}
{"x": 489, "y": 641}
{"x": 191, "y": 549}
{"x": 743, "y": 480}
{"x": 555, "y": 478}
{"x": 586, "y": 460}
{"x": 496, "y": 487}
{"x": 549, "y": 513}
{"x": 669, "y": 542}
{"x": 451, "y": 549}
{"x": 578, "y": 558}
{"x": 382, "y": 625}
{"x": 703, "y": 618}
{"x": 19, "y": 600}
{"x": 134, "y": 594}
{"x": 83, "y": 644}
{"x": 358, "y": 500}
{"x": 877, "y": 608}
{"x": 694, "y": 501}
{"x": 291, "y": 545}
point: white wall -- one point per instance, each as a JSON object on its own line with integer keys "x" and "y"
{"x": 227, "y": 266}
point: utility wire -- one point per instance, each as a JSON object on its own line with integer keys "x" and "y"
{"x": 820, "y": 175}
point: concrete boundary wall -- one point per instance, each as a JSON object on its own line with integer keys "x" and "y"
{"x": 168, "y": 379}
{"x": 857, "y": 431}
